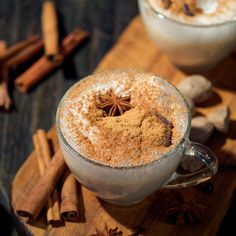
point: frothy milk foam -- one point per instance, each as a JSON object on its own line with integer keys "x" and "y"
{"x": 81, "y": 130}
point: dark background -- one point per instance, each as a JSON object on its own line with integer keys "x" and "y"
{"x": 105, "y": 20}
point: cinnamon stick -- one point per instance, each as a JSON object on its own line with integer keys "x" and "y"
{"x": 44, "y": 156}
{"x": 43, "y": 66}
{"x": 39, "y": 157}
{"x": 69, "y": 198}
{"x": 5, "y": 100}
{"x": 3, "y": 47}
{"x": 40, "y": 193}
{"x": 56, "y": 220}
{"x": 25, "y": 54}
{"x": 42, "y": 167}
{"x": 50, "y": 31}
{"x": 11, "y": 51}
{"x": 45, "y": 147}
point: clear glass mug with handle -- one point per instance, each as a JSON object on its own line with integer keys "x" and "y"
{"x": 129, "y": 185}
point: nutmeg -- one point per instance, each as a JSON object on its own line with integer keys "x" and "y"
{"x": 201, "y": 129}
{"x": 196, "y": 87}
{"x": 220, "y": 119}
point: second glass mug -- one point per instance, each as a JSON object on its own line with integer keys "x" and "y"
{"x": 130, "y": 185}
{"x": 191, "y": 47}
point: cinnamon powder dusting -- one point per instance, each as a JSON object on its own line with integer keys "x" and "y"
{"x": 141, "y": 131}
{"x": 187, "y": 7}
{"x": 135, "y": 134}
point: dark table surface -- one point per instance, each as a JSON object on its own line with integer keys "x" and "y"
{"x": 105, "y": 20}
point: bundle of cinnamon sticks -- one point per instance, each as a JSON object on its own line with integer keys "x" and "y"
{"x": 61, "y": 203}
{"x": 54, "y": 54}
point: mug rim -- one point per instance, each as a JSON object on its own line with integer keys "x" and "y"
{"x": 182, "y": 141}
{"x": 162, "y": 16}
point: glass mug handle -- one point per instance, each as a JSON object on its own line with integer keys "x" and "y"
{"x": 201, "y": 160}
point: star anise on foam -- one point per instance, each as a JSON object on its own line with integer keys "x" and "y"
{"x": 184, "y": 211}
{"x": 113, "y": 105}
{"x": 108, "y": 232}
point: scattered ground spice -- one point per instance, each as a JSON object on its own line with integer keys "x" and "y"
{"x": 108, "y": 232}
{"x": 186, "y": 7}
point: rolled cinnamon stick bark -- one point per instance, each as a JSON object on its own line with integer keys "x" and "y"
{"x": 3, "y": 47}
{"x": 43, "y": 66}
{"x": 50, "y": 31}
{"x": 17, "y": 47}
{"x": 39, "y": 157}
{"x": 43, "y": 152}
{"x": 69, "y": 198}
{"x": 45, "y": 147}
{"x": 25, "y": 54}
{"x": 40, "y": 193}
{"x": 42, "y": 167}
{"x": 56, "y": 220}
{"x": 5, "y": 99}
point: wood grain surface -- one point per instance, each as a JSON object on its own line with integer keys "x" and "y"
{"x": 134, "y": 49}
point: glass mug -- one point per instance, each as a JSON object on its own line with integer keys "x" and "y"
{"x": 191, "y": 47}
{"x": 130, "y": 185}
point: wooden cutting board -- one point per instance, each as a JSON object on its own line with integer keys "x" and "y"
{"x": 135, "y": 50}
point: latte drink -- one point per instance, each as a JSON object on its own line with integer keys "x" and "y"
{"x": 196, "y": 34}
{"x": 119, "y": 131}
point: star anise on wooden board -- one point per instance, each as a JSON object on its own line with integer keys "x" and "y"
{"x": 108, "y": 232}
{"x": 183, "y": 211}
{"x": 112, "y": 104}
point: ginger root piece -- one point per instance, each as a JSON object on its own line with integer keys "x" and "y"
{"x": 220, "y": 119}
{"x": 196, "y": 87}
{"x": 201, "y": 129}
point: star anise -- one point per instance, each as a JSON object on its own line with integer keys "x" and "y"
{"x": 113, "y": 105}
{"x": 184, "y": 211}
{"x": 108, "y": 232}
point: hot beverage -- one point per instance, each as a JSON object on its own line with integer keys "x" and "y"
{"x": 123, "y": 134}
{"x": 196, "y": 34}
